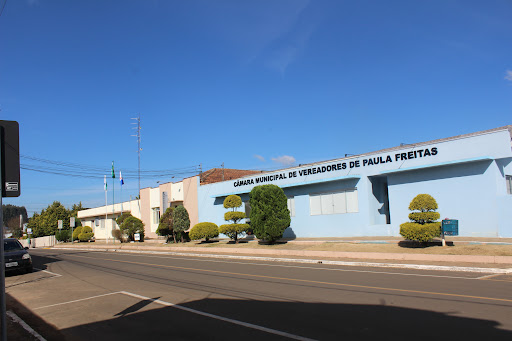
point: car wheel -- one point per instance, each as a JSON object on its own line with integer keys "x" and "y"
{"x": 29, "y": 269}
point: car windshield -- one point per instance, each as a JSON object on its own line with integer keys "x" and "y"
{"x": 12, "y": 245}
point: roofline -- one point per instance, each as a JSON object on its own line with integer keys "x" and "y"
{"x": 446, "y": 139}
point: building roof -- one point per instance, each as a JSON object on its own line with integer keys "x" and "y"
{"x": 222, "y": 174}
{"x": 507, "y": 127}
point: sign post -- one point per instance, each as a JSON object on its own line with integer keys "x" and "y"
{"x": 10, "y": 187}
{"x": 72, "y": 225}
{"x": 449, "y": 227}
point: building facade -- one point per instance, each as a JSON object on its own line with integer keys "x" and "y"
{"x": 470, "y": 176}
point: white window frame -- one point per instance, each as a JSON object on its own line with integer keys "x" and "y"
{"x": 336, "y": 202}
{"x": 291, "y": 205}
{"x": 156, "y": 214}
{"x": 508, "y": 179}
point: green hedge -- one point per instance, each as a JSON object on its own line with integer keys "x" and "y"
{"x": 204, "y": 230}
{"x": 420, "y": 232}
{"x": 63, "y": 235}
{"x": 77, "y": 232}
{"x": 86, "y": 234}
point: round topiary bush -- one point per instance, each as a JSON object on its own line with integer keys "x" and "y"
{"x": 77, "y": 232}
{"x": 204, "y": 230}
{"x": 423, "y": 226}
{"x": 86, "y": 234}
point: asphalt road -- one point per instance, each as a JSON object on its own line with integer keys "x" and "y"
{"x": 120, "y": 296}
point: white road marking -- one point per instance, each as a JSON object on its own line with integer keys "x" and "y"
{"x": 488, "y": 276}
{"x": 220, "y": 318}
{"x": 25, "y": 326}
{"x": 74, "y": 301}
{"x": 190, "y": 310}
{"x": 49, "y": 272}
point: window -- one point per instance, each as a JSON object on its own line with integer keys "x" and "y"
{"x": 97, "y": 222}
{"x": 291, "y": 206}
{"x": 508, "y": 179}
{"x": 334, "y": 203}
{"x": 247, "y": 210}
{"x": 156, "y": 215}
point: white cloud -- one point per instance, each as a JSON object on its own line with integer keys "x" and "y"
{"x": 508, "y": 75}
{"x": 285, "y": 160}
{"x": 259, "y": 157}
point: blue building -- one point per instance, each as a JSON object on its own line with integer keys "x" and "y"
{"x": 470, "y": 176}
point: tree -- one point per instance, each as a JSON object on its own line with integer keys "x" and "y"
{"x": 233, "y": 230}
{"x": 14, "y": 225}
{"x": 131, "y": 226}
{"x": 204, "y": 230}
{"x": 423, "y": 226}
{"x": 165, "y": 225}
{"x": 269, "y": 212}
{"x": 11, "y": 211}
{"x": 180, "y": 221}
{"x": 46, "y": 223}
{"x": 122, "y": 217}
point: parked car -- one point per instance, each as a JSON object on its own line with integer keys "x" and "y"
{"x": 16, "y": 256}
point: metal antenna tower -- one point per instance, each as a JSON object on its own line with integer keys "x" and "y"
{"x": 137, "y": 128}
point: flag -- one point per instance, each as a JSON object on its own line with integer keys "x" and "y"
{"x": 105, "y": 182}
{"x": 113, "y": 173}
{"x": 121, "y": 178}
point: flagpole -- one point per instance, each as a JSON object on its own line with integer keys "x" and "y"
{"x": 113, "y": 199}
{"x": 106, "y": 205}
{"x": 121, "y": 180}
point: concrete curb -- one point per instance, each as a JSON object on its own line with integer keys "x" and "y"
{"x": 326, "y": 254}
{"x": 306, "y": 261}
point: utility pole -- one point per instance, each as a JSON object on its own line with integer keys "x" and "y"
{"x": 137, "y": 128}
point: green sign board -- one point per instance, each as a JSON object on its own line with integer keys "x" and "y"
{"x": 450, "y": 227}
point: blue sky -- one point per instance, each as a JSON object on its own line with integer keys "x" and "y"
{"x": 251, "y": 84}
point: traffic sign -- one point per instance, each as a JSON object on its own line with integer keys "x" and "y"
{"x": 60, "y": 224}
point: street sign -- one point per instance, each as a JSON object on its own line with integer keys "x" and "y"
{"x": 60, "y": 224}
{"x": 29, "y": 230}
{"x": 136, "y": 236}
{"x": 72, "y": 222}
{"x": 450, "y": 227}
{"x": 10, "y": 158}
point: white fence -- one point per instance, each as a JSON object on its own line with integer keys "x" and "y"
{"x": 39, "y": 242}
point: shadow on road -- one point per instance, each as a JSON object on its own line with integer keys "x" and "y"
{"x": 312, "y": 320}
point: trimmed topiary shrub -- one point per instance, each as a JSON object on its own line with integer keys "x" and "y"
{"x": 234, "y": 230}
{"x": 76, "y": 232}
{"x": 269, "y": 212}
{"x": 131, "y": 226}
{"x": 63, "y": 235}
{"x": 423, "y": 226}
{"x": 204, "y": 230}
{"x": 86, "y": 234}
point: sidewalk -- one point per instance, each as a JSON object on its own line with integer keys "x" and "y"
{"x": 481, "y": 252}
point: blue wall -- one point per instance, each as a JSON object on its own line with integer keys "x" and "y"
{"x": 466, "y": 176}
